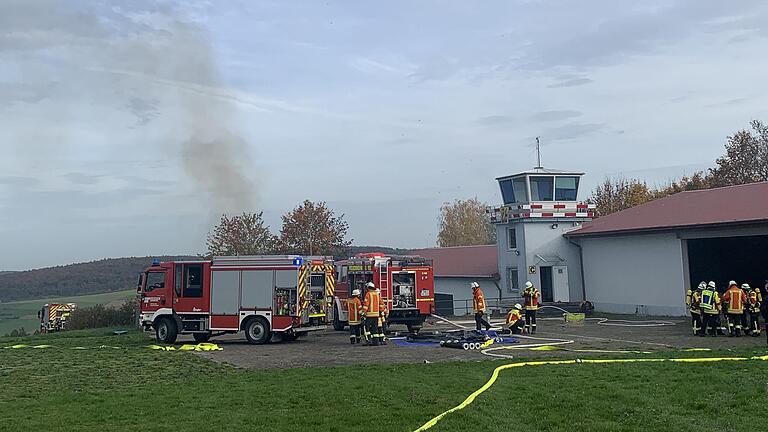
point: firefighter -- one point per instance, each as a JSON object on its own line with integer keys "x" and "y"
{"x": 382, "y": 317}
{"x": 710, "y": 306}
{"x": 531, "y": 298}
{"x": 754, "y": 302}
{"x": 736, "y": 299}
{"x": 478, "y": 307}
{"x": 693, "y": 300}
{"x": 355, "y": 311}
{"x": 372, "y": 312}
{"x": 515, "y": 321}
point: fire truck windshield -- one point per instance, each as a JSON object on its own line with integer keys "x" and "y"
{"x": 154, "y": 280}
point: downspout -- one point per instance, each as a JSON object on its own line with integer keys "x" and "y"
{"x": 581, "y": 266}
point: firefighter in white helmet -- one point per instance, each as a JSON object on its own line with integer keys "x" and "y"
{"x": 372, "y": 311}
{"x": 478, "y": 307}
{"x": 355, "y": 313}
{"x": 531, "y": 298}
{"x": 515, "y": 321}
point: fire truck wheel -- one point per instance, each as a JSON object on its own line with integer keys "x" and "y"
{"x": 165, "y": 330}
{"x": 338, "y": 325}
{"x": 201, "y": 337}
{"x": 257, "y": 331}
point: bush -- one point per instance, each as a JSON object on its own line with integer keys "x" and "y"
{"x": 99, "y": 316}
{"x": 17, "y": 332}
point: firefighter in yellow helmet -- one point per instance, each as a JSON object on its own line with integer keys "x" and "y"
{"x": 531, "y": 301}
{"x": 693, "y": 301}
{"x": 515, "y": 321}
{"x": 372, "y": 312}
{"x": 754, "y": 302}
{"x": 736, "y": 300}
{"x": 478, "y": 307}
{"x": 355, "y": 314}
{"x": 710, "y": 307}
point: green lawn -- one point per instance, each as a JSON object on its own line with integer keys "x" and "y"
{"x": 133, "y": 388}
{"x": 14, "y": 315}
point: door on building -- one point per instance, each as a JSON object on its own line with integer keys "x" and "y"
{"x": 560, "y": 284}
{"x": 545, "y": 275}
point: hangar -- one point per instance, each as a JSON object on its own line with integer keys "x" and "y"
{"x": 644, "y": 259}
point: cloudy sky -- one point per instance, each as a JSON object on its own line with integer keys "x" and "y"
{"x": 125, "y": 130}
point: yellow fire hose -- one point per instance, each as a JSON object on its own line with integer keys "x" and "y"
{"x": 495, "y": 375}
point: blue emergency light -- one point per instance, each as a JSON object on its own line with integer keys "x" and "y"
{"x": 156, "y": 262}
{"x": 298, "y": 261}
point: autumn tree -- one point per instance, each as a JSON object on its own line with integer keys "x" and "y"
{"x": 745, "y": 159}
{"x": 314, "y": 229}
{"x": 465, "y": 223}
{"x": 618, "y": 194}
{"x": 244, "y": 234}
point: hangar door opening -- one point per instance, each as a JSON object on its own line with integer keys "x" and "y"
{"x": 722, "y": 259}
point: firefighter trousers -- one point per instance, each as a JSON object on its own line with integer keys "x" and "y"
{"x": 735, "y": 323}
{"x": 373, "y": 331}
{"x": 710, "y": 324}
{"x": 530, "y": 320}
{"x": 517, "y": 327}
{"x": 696, "y": 323}
{"x": 355, "y": 333}
{"x": 754, "y": 323}
{"x": 480, "y": 322}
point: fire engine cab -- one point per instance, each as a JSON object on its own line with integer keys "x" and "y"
{"x": 406, "y": 284}
{"x": 260, "y": 295}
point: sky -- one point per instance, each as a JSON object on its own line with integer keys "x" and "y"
{"x": 128, "y": 128}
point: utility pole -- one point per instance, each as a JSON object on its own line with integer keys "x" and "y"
{"x": 538, "y": 154}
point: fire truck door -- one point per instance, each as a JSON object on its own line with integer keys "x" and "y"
{"x": 155, "y": 294}
{"x": 190, "y": 290}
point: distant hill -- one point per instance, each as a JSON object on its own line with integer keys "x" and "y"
{"x": 102, "y": 276}
{"x": 107, "y": 275}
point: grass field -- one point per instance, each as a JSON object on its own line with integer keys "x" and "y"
{"x": 14, "y": 315}
{"x": 134, "y": 388}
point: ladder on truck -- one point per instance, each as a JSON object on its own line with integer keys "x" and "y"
{"x": 383, "y": 267}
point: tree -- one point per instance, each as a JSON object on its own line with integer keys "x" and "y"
{"x": 465, "y": 223}
{"x": 314, "y": 229}
{"x": 618, "y": 194}
{"x": 245, "y": 234}
{"x": 745, "y": 159}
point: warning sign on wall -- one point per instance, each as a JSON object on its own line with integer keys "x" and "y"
{"x": 532, "y": 269}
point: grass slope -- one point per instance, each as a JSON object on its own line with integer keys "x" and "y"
{"x": 23, "y": 313}
{"x": 133, "y": 388}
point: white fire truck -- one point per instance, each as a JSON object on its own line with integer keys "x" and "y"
{"x": 406, "y": 284}
{"x": 261, "y": 295}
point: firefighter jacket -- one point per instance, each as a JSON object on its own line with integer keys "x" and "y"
{"x": 513, "y": 316}
{"x": 531, "y": 298}
{"x": 373, "y": 306}
{"x": 355, "y": 310}
{"x": 754, "y": 300}
{"x": 478, "y": 301}
{"x": 693, "y": 301}
{"x": 736, "y": 299}
{"x": 710, "y": 302}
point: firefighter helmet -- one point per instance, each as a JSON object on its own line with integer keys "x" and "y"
{"x": 702, "y": 285}
{"x": 746, "y": 287}
{"x": 528, "y": 284}
{"x": 731, "y": 283}
{"x": 711, "y": 284}
{"x": 356, "y": 293}
{"x": 474, "y": 285}
{"x": 518, "y": 306}
{"x": 370, "y": 285}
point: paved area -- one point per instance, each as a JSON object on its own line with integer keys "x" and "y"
{"x": 331, "y": 348}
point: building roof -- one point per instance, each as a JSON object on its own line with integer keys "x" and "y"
{"x": 703, "y": 208}
{"x": 541, "y": 170}
{"x": 463, "y": 261}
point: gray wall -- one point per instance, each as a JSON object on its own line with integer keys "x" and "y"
{"x": 636, "y": 274}
{"x": 536, "y": 237}
{"x": 459, "y": 287}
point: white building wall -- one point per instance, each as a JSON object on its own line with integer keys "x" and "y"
{"x": 459, "y": 287}
{"x": 635, "y": 274}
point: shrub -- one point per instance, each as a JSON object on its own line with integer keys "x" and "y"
{"x": 104, "y": 316}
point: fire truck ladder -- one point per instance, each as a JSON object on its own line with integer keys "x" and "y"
{"x": 384, "y": 280}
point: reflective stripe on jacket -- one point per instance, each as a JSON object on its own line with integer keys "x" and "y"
{"x": 531, "y": 296}
{"x": 354, "y": 309}
{"x": 372, "y": 305}
{"x": 736, "y": 298}
{"x": 513, "y": 316}
{"x": 754, "y": 300}
{"x": 710, "y": 302}
{"x": 478, "y": 301}
{"x": 693, "y": 301}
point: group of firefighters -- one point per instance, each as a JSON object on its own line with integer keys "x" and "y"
{"x": 741, "y": 307}
{"x": 367, "y": 317}
{"x": 520, "y": 319}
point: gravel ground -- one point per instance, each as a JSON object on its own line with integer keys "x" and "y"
{"x": 331, "y": 348}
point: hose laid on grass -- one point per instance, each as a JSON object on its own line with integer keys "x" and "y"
{"x": 495, "y": 375}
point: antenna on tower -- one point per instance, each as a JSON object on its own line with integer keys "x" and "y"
{"x": 538, "y": 154}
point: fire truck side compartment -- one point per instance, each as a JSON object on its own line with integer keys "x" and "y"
{"x": 225, "y": 285}
{"x": 257, "y": 289}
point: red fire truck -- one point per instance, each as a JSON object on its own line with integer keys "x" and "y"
{"x": 260, "y": 295}
{"x": 406, "y": 284}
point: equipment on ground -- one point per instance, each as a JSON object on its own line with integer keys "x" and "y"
{"x": 55, "y": 316}
{"x": 264, "y": 295}
{"x": 406, "y": 284}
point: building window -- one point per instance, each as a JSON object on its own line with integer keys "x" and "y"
{"x": 513, "y": 285}
{"x": 566, "y": 188}
{"x": 542, "y": 188}
{"x": 521, "y": 193}
{"x": 507, "y": 193}
{"x": 511, "y": 238}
